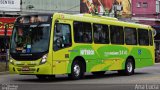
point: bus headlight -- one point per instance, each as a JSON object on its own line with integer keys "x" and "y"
{"x": 11, "y": 61}
{"x": 44, "y": 60}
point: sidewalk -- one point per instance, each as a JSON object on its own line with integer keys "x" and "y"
{"x": 3, "y": 66}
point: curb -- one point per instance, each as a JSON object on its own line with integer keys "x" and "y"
{"x": 4, "y": 73}
{"x": 157, "y": 63}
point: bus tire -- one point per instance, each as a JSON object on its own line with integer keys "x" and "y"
{"x": 98, "y": 73}
{"x": 77, "y": 70}
{"x": 129, "y": 68}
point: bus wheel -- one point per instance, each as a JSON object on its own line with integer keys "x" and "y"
{"x": 98, "y": 73}
{"x": 77, "y": 71}
{"x": 129, "y": 68}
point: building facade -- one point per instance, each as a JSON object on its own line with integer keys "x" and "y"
{"x": 143, "y": 7}
{"x": 20, "y": 7}
{"x": 145, "y": 11}
{"x": 148, "y": 12}
{"x": 50, "y": 6}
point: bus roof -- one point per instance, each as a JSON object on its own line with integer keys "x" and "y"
{"x": 97, "y": 16}
{"x": 99, "y": 19}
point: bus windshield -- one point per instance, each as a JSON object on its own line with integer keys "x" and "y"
{"x": 30, "y": 38}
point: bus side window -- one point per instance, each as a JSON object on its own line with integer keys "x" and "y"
{"x": 101, "y": 33}
{"x": 117, "y": 35}
{"x": 130, "y": 36}
{"x": 62, "y": 36}
{"x": 143, "y": 37}
{"x": 82, "y": 32}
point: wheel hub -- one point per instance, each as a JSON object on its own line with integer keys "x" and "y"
{"x": 77, "y": 70}
{"x": 129, "y": 67}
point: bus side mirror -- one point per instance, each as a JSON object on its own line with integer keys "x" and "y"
{"x": 154, "y": 32}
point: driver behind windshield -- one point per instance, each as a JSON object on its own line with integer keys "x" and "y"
{"x": 20, "y": 41}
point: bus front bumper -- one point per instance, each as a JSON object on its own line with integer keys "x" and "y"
{"x": 31, "y": 70}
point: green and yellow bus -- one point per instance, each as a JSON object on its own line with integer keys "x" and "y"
{"x": 50, "y": 44}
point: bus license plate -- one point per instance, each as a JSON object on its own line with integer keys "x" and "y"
{"x": 25, "y": 69}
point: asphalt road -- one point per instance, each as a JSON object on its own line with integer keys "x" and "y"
{"x": 144, "y": 79}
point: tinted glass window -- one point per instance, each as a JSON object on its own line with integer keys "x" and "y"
{"x": 82, "y": 32}
{"x": 101, "y": 33}
{"x": 130, "y": 36}
{"x": 150, "y": 38}
{"x": 62, "y": 36}
{"x": 143, "y": 37}
{"x": 117, "y": 35}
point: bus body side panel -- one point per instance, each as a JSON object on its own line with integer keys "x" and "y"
{"x": 88, "y": 54}
{"x": 112, "y": 56}
{"x": 143, "y": 55}
{"x": 101, "y": 57}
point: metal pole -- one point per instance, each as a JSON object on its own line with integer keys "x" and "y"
{"x": 5, "y": 32}
{"x": 115, "y": 11}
